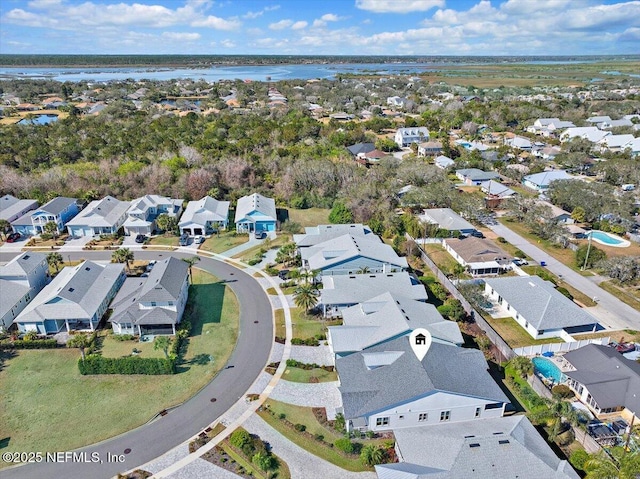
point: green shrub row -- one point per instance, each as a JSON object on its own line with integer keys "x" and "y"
{"x": 29, "y": 344}
{"x": 95, "y": 364}
{"x": 123, "y": 337}
{"x": 305, "y": 342}
{"x": 292, "y": 363}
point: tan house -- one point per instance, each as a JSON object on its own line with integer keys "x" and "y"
{"x": 479, "y": 256}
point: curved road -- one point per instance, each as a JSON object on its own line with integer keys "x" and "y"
{"x": 154, "y": 439}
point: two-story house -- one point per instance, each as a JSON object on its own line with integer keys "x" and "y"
{"x": 204, "y": 216}
{"x": 21, "y": 279}
{"x": 103, "y": 216}
{"x": 59, "y": 211}
{"x": 152, "y": 305}
{"x": 142, "y": 214}
{"x": 406, "y": 136}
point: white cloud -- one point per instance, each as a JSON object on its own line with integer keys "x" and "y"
{"x": 317, "y": 23}
{"x": 281, "y": 25}
{"x": 181, "y": 36}
{"x": 330, "y": 17}
{"x": 43, "y": 4}
{"x": 217, "y": 23}
{"x": 299, "y": 25}
{"x": 398, "y": 6}
{"x": 253, "y": 15}
{"x": 227, "y": 43}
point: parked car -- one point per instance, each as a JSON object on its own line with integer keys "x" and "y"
{"x": 184, "y": 240}
{"x": 13, "y": 237}
{"x": 477, "y": 234}
{"x": 141, "y": 238}
{"x": 260, "y": 234}
{"x": 283, "y": 274}
{"x": 198, "y": 239}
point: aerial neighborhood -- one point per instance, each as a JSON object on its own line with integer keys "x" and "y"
{"x": 434, "y": 279}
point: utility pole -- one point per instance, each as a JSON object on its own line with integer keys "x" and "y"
{"x": 586, "y": 258}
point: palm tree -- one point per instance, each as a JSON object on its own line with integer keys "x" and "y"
{"x": 4, "y": 227}
{"x": 55, "y": 260}
{"x": 191, "y": 261}
{"x": 522, "y": 365}
{"x": 162, "y": 342}
{"x": 308, "y": 275}
{"x": 51, "y": 228}
{"x": 122, "y": 255}
{"x": 363, "y": 270}
{"x": 372, "y": 455}
{"x": 80, "y": 341}
{"x": 620, "y": 464}
{"x": 306, "y": 296}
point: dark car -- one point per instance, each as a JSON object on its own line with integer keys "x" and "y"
{"x": 477, "y": 234}
{"x": 13, "y": 237}
{"x": 260, "y": 234}
{"x": 184, "y": 240}
{"x": 283, "y": 274}
{"x": 141, "y": 238}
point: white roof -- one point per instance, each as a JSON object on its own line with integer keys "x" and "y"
{"x": 10, "y": 207}
{"x": 616, "y": 141}
{"x": 142, "y": 204}
{"x": 357, "y": 288}
{"x": 204, "y": 210}
{"x": 101, "y": 213}
{"x": 496, "y": 189}
{"x": 591, "y": 133}
{"x": 314, "y": 235}
{"x": 546, "y": 177}
{"x": 265, "y": 207}
{"x": 443, "y": 161}
{"x": 446, "y": 218}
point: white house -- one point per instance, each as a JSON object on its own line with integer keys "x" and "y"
{"x": 314, "y": 235}
{"x": 11, "y": 208}
{"x": 386, "y": 387}
{"x": 591, "y": 133}
{"x": 103, "y": 216}
{"x": 152, "y": 305}
{"x": 430, "y": 148}
{"x": 614, "y": 142}
{"x": 538, "y": 307}
{"x": 204, "y": 216}
{"x": 405, "y": 136}
{"x": 447, "y": 219}
{"x": 443, "y": 162}
{"x": 256, "y": 213}
{"x": 142, "y": 214}
{"x": 21, "y": 279}
{"x": 541, "y": 181}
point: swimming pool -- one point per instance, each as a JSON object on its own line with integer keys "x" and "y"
{"x": 548, "y": 369}
{"x": 608, "y": 239}
{"x": 39, "y": 120}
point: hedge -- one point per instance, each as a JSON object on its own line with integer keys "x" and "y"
{"x": 27, "y": 344}
{"x": 292, "y": 363}
{"x": 95, "y": 364}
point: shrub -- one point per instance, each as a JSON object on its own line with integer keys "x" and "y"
{"x": 282, "y": 415}
{"x": 565, "y": 292}
{"x": 500, "y": 239}
{"x": 319, "y": 437}
{"x": 271, "y": 271}
{"x": 305, "y": 342}
{"x": 253, "y": 262}
{"x": 46, "y": 236}
{"x": 300, "y": 427}
{"x": 520, "y": 254}
{"x": 578, "y": 458}
{"x": 95, "y": 364}
{"x": 29, "y": 344}
{"x": 562, "y": 391}
{"x": 344, "y": 444}
{"x": 240, "y": 438}
{"x": 123, "y": 337}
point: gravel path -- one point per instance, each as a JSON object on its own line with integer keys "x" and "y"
{"x": 200, "y": 469}
{"x": 313, "y": 354}
{"x": 302, "y": 464}
{"x": 309, "y": 395}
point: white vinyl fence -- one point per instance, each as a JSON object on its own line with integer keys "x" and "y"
{"x": 558, "y": 347}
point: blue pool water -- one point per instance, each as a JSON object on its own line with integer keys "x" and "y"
{"x": 39, "y": 120}
{"x": 604, "y": 237}
{"x": 547, "y": 369}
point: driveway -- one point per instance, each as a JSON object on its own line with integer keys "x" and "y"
{"x": 309, "y": 395}
{"x": 302, "y": 464}
{"x": 610, "y": 311}
{"x": 154, "y": 439}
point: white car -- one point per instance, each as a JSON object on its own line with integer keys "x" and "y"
{"x": 198, "y": 239}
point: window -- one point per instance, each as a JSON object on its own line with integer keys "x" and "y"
{"x": 153, "y": 303}
{"x": 423, "y": 416}
{"x": 382, "y": 421}
{"x": 170, "y": 303}
{"x": 445, "y": 415}
{"x": 478, "y": 411}
{"x": 495, "y": 405}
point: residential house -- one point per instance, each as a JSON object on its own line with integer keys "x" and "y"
{"x": 152, "y": 305}
{"x": 21, "y": 279}
{"x": 340, "y": 292}
{"x": 361, "y": 148}
{"x": 614, "y": 142}
{"x": 541, "y": 181}
{"x": 591, "y": 133}
{"x": 60, "y": 210}
{"x": 598, "y": 119}
{"x": 349, "y": 254}
{"x": 633, "y": 146}
{"x": 475, "y": 177}
{"x": 142, "y": 214}
{"x": 386, "y": 317}
{"x": 443, "y": 162}
{"x": 558, "y": 215}
{"x": 479, "y": 256}
{"x": 497, "y": 448}
{"x": 430, "y": 148}
{"x": 605, "y": 381}
{"x": 547, "y": 153}
{"x": 76, "y": 299}
{"x": 314, "y": 235}
{"x": 495, "y": 190}
{"x": 405, "y": 136}
{"x": 538, "y": 306}
{"x": 549, "y": 126}
{"x": 11, "y": 208}
{"x": 447, "y": 219}
{"x": 607, "y": 125}
{"x": 104, "y": 216}
{"x": 397, "y": 101}
{"x": 204, "y": 216}
{"x": 471, "y": 145}
{"x": 519, "y": 142}
{"x": 255, "y": 213}
{"x": 386, "y": 387}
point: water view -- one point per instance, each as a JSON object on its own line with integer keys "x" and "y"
{"x": 39, "y": 120}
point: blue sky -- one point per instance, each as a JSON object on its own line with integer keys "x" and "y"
{"x": 329, "y": 27}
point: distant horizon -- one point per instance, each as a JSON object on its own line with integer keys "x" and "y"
{"x": 328, "y": 27}
{"x": 320, "y": 55}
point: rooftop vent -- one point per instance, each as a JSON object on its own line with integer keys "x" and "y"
{"x": 504, "y": 441}
{"x": 474, "y": 444}
{"x": 71, "y": 290}
{"x": 25, "y": 257}
{"x": 467, "y": 437}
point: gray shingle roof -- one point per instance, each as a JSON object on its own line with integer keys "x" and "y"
{"x": 165, "y": 280}
{"x": 75, "y": 293}
{"x": 546, "y": 177}
{"x": 475, "y": 174}
{"x": 347, "y": 247}
{"x": 446, "y": 218}
{"x": 445, "y": 368}
{"x": 57, "y": 205}
{"x": 477, "y": 250}
{"x": 386, "y": 316}
{"x": 256, "y": 202}
{"x": 11, "y": 206}
{"x": 358, "y": 148}
{"x": 503, "y": 448}
{"x": 353, "y": 289}
{"x": 611, "y": 379}
{"x": 101, "y": 213}
{"x": 12, "y": 292}
{"x": 314, "y": 235}
{"x": 496, "y": 189}
{"x": 539, "y": 303}
{"x": 204, "y": 210}
{"x": 22, "y": 265}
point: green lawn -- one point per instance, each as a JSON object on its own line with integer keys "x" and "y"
{"x": 224, "y": 242}
{"x": 625, "y": 295}
{"x": 112, "y": 348}
{"x": 514, "y": 334}
{"x": 298, "y": 375}
{"x": 267, "y": 244}
{"x": 163, "y": 241}
{"x": 43, "y": 396}
{"x": 440, "y": 257}
{"x": 310, "y": 216}
{"x": 304, "y": 326}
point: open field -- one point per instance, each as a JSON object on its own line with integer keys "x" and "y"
{"x": 310, "y": 216}
{"x": 440, "y": 257}
{"x": 43, "y": 396}
{"x": 628, "y": 294}
{"x": 223, "y": 242}
{"x": 163, "y": 241}
{"x": 304, "y": 326}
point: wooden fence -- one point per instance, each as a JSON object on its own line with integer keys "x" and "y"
{"x": 504, "y": 349}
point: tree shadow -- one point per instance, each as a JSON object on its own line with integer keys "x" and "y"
{"x": 6, "y": 355}
{"x": 200, "y": 359}
{"x": 205, "y": 305}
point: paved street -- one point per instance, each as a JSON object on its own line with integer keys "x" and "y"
{"x": 154, "y": 439}
{"x": 611, "y": 312}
